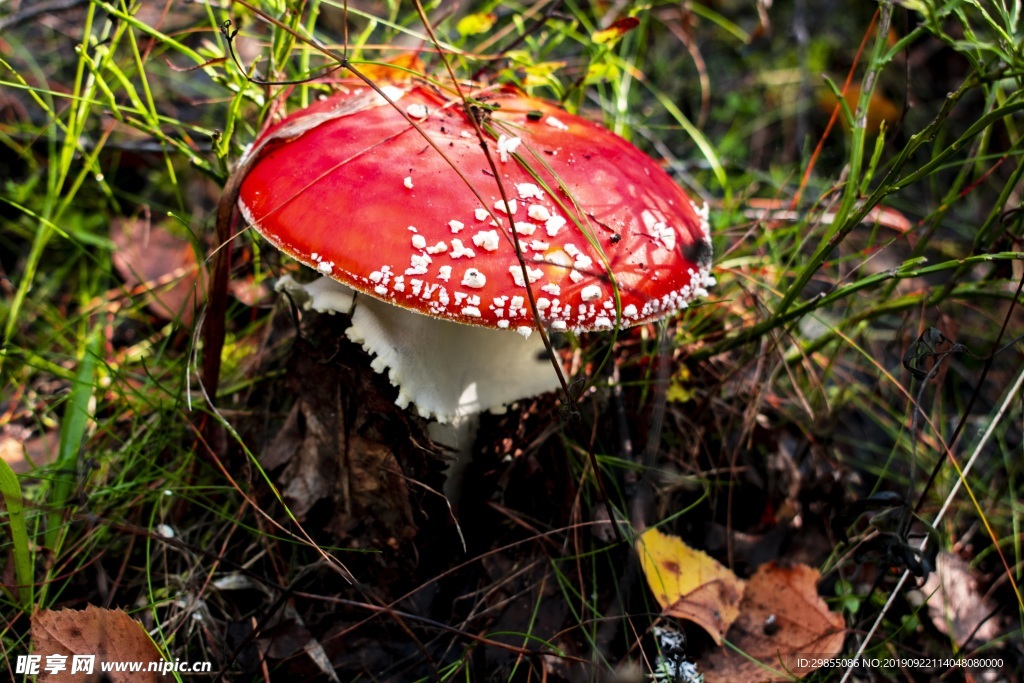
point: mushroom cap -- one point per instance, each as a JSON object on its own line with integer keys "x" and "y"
{"x": 349, "y": 187}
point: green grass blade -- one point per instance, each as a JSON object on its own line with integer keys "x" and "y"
{"x": 10, "y": 489}
{"x": 72, "y": 433}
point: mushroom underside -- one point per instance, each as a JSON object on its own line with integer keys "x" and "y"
{"x": 446, "y": 369}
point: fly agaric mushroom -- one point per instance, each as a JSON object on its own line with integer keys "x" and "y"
{"x": 413, "y": 217}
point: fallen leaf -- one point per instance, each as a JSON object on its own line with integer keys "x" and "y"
{"x": 614, "y": 33}
{"x": 338, "y": 451}
{"x": 880, "y": 108}
{"x": 688, "y": 583}
{"x": 472, "y": 24}
{"x": 783, "y": 625}
{"x": 955, "y": 604}
{"x": 21, "y": 450}
{"x": 249, "y": 292}
{"x": 152, "y": 260}
{"x": 399, "y": 69}
{"x": 108, "y": 634}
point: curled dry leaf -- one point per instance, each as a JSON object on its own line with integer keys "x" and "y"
{"x": 109, "y": 634}
{"x": 154, "y": 261}
{"x": 955, "y": 603}
{"x": 688, "y": 583}
{"x": 782, "y": 620}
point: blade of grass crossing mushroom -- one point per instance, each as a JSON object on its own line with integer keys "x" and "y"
{"x": 504, "y": 198}
{"x": 570, "y": 401}
{"x": 587, "y": 233}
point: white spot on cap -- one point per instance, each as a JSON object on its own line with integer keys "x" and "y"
{"x": 408, "y": 181}
{"x": 503, "y": 324}
{"x": 543, "y": 303}
{"x": 559, "y": 258}
{"x": 487, "y": 240}
{"x": 458, "y": 251}
{"x": 529, "y": 191}
{"x": 418, "y": 264}
{"x": 538, "y": 212}
{"x": 525, "y": 331}
{"x": 315, "y": 256}
{"x": 537, "y": 245}
{"x": 649, "y": 220}
{"x": 456, "y": 225}
{"x": 558, "y": 325}
{"x": 524, "y": 228}
{"x": 555, "y": 123}
{"x": 553, "y": 225}
{"x": 393, "y": 92}
{"x": 576, "y": 276}
{"x": 437, "y": 248}
{"x": 665, "y": 235}
{"x": 602, "y": 323}
{"x": 517, "y": 274}
{"x": 444, "y": 273}
{"x": 510, "y": 209}
{"x": 552, "y": 289}
{"x": 629, "y": 311}
{"x": 474, "y": 278}
{"x": 419, "y": 241}
{"x": 506, "y": 146}
{"x": 591, "y": 293}
{"x": 471, "y": 311}
{"x": 416, "y": 111}
{"x": 325, "y": 267}
{"x": 466, "y": 134}
{"x": 481, "y": 213}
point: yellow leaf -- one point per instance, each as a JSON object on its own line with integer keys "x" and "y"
{"x": 613, "y": 33}
{"x": 680, "y": 388}
{"x": 689, "y": 584}
{"x": 472, "y": 24}
{"x": 399, "y": 69}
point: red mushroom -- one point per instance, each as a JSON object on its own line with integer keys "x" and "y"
{"x": 414, "y": 217}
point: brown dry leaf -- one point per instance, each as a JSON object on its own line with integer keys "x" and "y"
{"x": 250, "y": 292}
{"x": 342, "y": 451}
{"x": 782, "y": 620}
{"x": 20, "y": 449}
{"x": 880, "y": 107}
{"x": 688, "y": 583}
{"x": 110, "y": 635}
{"x": 955, "y": 603}
{"x": 155, "y": 261}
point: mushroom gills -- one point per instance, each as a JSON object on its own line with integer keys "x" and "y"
{"x": 447, "y": 370}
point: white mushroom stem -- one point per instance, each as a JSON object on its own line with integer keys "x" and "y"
{"x": 449, "y": 371}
